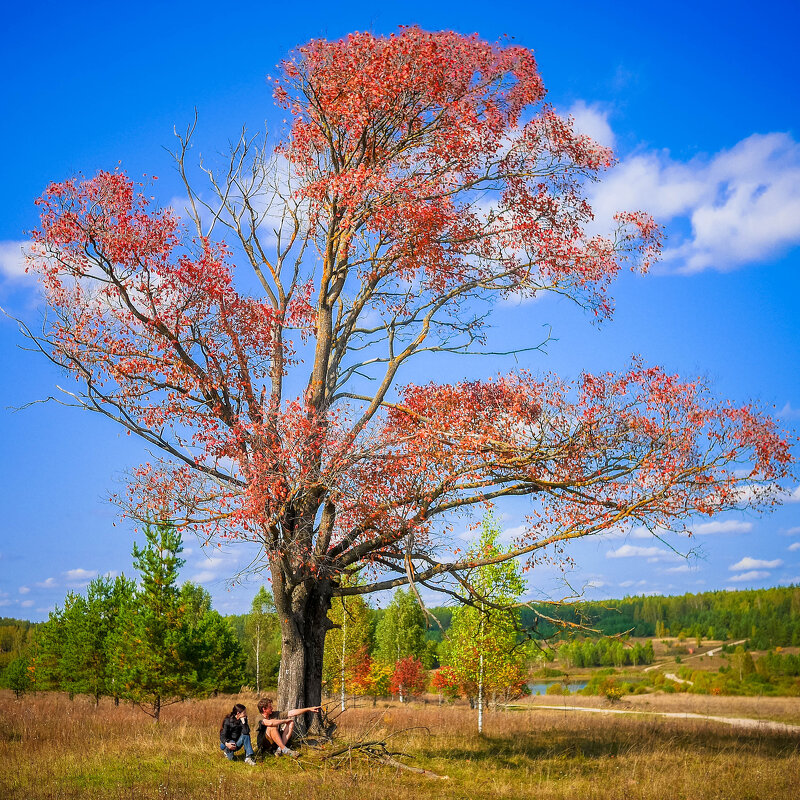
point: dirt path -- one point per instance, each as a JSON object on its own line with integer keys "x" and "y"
{"x": 673, "y": 677}
{"x": 713, "y": 651}
{"x": 736, "y": 722}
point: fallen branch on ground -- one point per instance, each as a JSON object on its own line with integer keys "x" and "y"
{"x": 375, "y": 750}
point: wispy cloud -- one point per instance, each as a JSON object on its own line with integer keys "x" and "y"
{"x": 12, "y": 260}
{"x": 48, "y": 583}
{"x": 507, "y": 534}
{"x": 652, "y": 554}
{"x": 753, "y": 575}
{"x": 792, "y": 496}
{"x": 595, "y": 584}
{"x": 788, "y": 412}
{"x": 728, "y": 526}
{"x": 592, "y": 120}
{"x": 79, "y": 576}
{"x": 794, "y": 546}
{"x": 755, "y": 563}
{"x": 679, "y": 569}
{"x": 214, "y": 568}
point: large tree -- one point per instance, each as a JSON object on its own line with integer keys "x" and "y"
{"x": 422, "y": 179}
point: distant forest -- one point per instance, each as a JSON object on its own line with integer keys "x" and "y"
{"x": 765, "y": 617}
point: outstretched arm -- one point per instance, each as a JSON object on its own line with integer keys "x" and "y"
{"x": 298, "y": 711}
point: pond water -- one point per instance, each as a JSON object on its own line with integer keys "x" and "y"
{"x": 541, "y": 688}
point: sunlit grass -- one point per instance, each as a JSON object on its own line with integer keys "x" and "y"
{"x": 51, "y": 747}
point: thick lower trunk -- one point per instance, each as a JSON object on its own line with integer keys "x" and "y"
{"x": 303, "y": 614}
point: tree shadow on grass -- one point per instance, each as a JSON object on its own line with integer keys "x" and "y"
{"x": 613, "y": 742}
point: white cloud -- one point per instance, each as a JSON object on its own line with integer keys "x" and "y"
{"x": 48, "y": 583}
{"x": 639, "y": 532}
{"x": 595, "y": 584}
{"x": 12, "y": 261}
{"x": 794, "y": 546}
{"x": 793, "y": 531}
{"x": 755, "y": 563}
{"x": 24, "y": 589}
{"x": 214, "y": 568}
{"x": 592, "y": 120}
{"x": 741, "y": 205}
{"x": 753, "y": 575}
{"x": 728, "y": 526}
{"x": 26, "y": 603}
{"x": 679, "y": 568}
{"x": 509, "y": 534}
{"x": 80, "y": 575}
{"x": 650, "y": 553}
{"x": 204, "y": 576}
{"x": 792, "y": 497}
{"x": 788, "y": 412}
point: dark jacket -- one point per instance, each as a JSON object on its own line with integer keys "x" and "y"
{"x": 233, "y": 729}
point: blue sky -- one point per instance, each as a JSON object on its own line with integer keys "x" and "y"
{"x": 699, "y": 101}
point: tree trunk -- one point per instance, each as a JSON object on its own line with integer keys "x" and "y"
{"x": 258, "y": 658}
{"x": 303, "y": 614}
{"x": 480, "y": 695}
{"x": 344, "y": 654}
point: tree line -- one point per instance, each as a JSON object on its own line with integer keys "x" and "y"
{"x": 153, "y": 643}
{"x": 158, "y": 642}
{"x": 765, "y": 617}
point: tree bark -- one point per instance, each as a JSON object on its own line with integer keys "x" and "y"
{"x": 303, "y": 614}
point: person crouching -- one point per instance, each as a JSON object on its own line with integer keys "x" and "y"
{"x": 235, "y": 734}
{"x": 275, "y": 728}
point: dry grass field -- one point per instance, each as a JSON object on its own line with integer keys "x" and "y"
{"x": 51, "y": 747}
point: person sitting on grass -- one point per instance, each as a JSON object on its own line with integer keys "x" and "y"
{"x": 275, "y": 728}
{"x": 235, "y": 733}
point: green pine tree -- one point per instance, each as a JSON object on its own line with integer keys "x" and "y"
{"x": 152, "y": 645}
{"x": 217, "y": 655}
{"x": 17, "y": 676}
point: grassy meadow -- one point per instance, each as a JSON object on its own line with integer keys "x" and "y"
{"x": 51, "y": 747}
